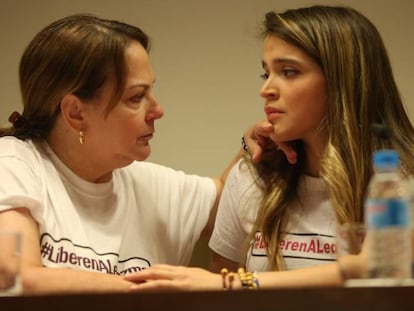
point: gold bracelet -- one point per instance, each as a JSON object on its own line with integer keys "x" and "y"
{"x": 225, "y": 274}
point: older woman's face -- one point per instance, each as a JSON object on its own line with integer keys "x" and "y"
{"x": 124, "y": 135}
{"x": 294, "y": 91}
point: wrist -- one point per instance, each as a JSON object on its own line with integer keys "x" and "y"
{"x": 239, "y": 280}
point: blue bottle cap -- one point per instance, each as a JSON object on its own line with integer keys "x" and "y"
{"x": 386, "y": 158}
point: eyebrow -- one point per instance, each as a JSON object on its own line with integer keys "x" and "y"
{"x": 282, "y": 60}
{"x": 145, "y": 85}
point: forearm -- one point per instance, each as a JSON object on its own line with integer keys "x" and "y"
{"x": 334, "y": 274}
{"x": 40, "y": 280}
{"x": 326, "y": 275}
{"x": 165, "y": 277}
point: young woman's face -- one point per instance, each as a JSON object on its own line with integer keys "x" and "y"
{"x": 123, "y": 136}
{"x": 294, "y": 91}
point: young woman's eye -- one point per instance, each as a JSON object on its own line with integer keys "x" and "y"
{"x": 264, "y": 76}
{"x": 287, "y": 72}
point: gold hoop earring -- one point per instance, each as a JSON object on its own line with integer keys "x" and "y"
{"x": 81, "y": 139}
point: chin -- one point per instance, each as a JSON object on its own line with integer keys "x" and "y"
{"x": 143, "y": 154}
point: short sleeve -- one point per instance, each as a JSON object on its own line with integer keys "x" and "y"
{"x": 178, "y": 204}
{"x": 236, "y": 213}
{"x": 20, "y": 185}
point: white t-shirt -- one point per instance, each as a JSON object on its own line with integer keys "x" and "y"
{"x": 146, "y": 214}
{"x": 309, "y": 239}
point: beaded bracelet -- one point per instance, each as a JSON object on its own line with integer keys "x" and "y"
{"x": 244, "y": 145}
{"x": 248, "y": 280}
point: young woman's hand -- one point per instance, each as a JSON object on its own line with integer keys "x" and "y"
{"x": 259, "y": 138}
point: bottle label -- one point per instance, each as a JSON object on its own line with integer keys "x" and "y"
{"x": 382, "y": 213}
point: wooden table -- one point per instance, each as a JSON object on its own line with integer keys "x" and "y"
{"x": 332, "y": 299}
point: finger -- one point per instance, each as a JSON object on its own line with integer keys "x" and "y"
{"x": 289, "y": 151}
{"x": 149, "y": 274}
{"x": 256, "y": 139}
{"x": 256, "y": 150}
{"x": 263, "y": 128}
{"x": 288, "y": 148}
{"x": 157, "y": 285}
{"x": 141, "y": 276}
{"x": 164, "y": 267}
{"x": 257, "y": 154}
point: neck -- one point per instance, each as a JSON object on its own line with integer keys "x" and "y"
{"x": 314, "y": 152}
{"x": 65, "y": 144}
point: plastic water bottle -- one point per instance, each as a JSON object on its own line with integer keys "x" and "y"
{"x": 387, "y": 217}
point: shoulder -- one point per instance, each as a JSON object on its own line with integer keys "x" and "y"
{"x": 24, "y": 160}
{"x": 12, "y": 147}
{"x": 242, "y": 174}
{"x": 10, "y": 144}
{"x": 242, "y": 190}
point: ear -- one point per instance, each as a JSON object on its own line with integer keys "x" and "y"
{"x": 72, "y": 112}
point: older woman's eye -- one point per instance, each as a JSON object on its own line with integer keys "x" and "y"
{"x": 137, "y": 98}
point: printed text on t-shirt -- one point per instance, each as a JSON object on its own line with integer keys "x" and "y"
{"x": 64, "y": 253}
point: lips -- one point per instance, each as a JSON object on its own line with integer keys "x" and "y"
{"x": 272, "y": 113}
{"x": 147, "y": 136}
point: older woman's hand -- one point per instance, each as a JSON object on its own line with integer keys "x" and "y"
{"x": 173, "y": 278}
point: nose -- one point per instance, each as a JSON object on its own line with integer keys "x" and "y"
{"x": 269, "y": 89}
{"x": 155, "y": 110}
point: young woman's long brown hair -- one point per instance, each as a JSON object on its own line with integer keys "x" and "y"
{"x": 361, "y": 91}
